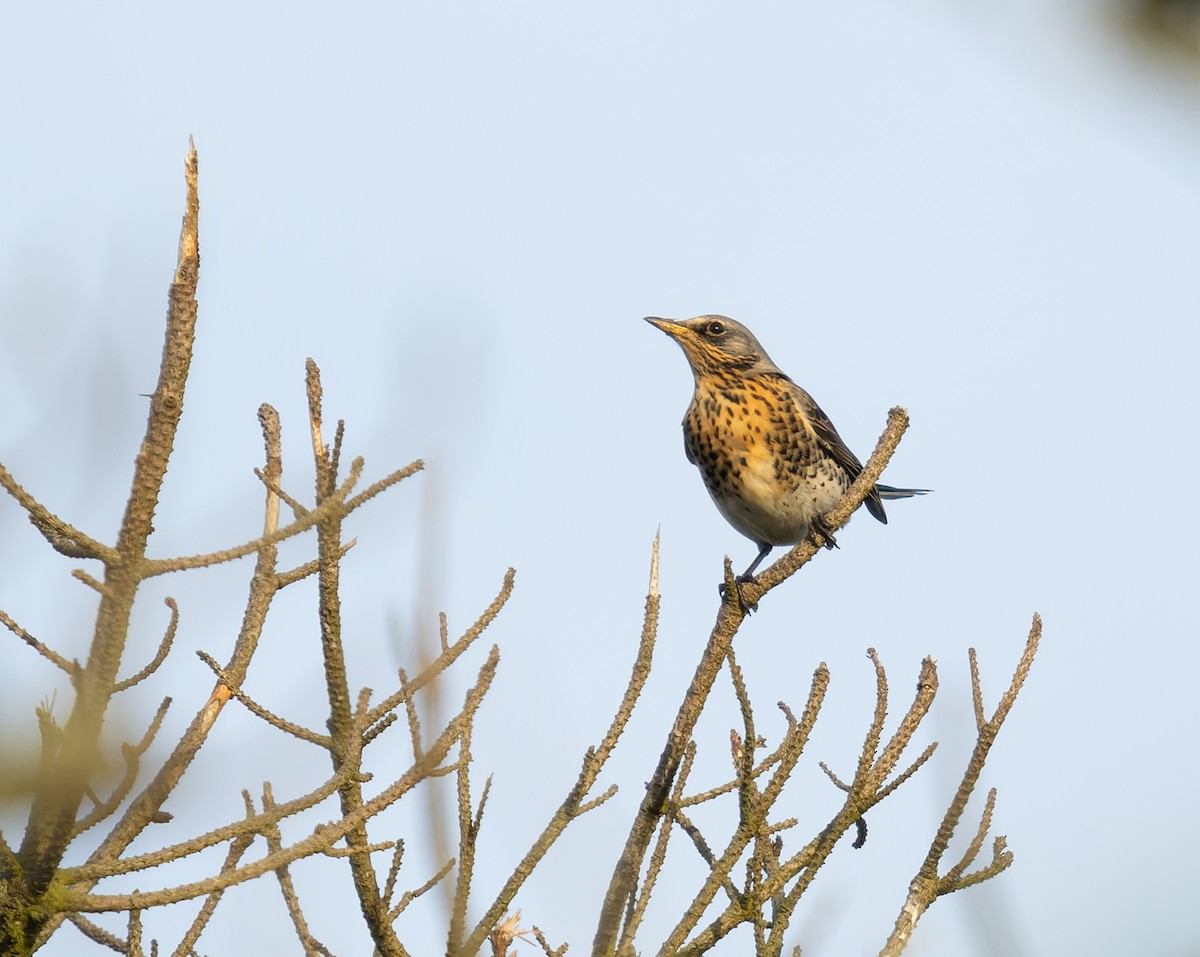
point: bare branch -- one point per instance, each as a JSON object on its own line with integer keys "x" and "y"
{"x": 312, "y": 946}
{"x": 389, "y": 885}
{"x": 52, "y": 821}
{"x": 927, "y": 886}
{"x": 838, "y": 782}
{"x": 383, "y": 484}
{"x": 63, "y": 538}
{"x": 952, "y": 876}
{"x": 237, "y": 849}
{"x": 976, "y": 690}
{"x": 146, "y": 807}
{"x": 875, "y": 731}
{"x": 599, "y": 799}
{"x": 134, "y": 945}
{"x": 927, "y": 686}
{"x": 409, "y": 896}
{"x": 987, "y": 736}
{"x": 97, "y": 586}
{"x": 287, "y": 727}
{"x": 256, "y": 824}
{"x": 300, "y": 572}
{"x": 358, "y": 849}
{"x": 636, "y": 912}
{"x": 331, "y": 506}
{"x": 810, "y": 857}
{"x": 449, "y": 655}
{"x": 556, "y": 952}
{"x": 907, "y": 772}
{"x": 164, "y": 648}
{"x": 593, "y": 763}
{"x": 98, "y": 934}
{"x": 272, "y": 485}
{"x": 45, "y": 651}
{"x": 314, "y": 844}
{"x": 466, "y": 846}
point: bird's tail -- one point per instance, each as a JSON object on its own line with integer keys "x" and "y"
{"x": 887, "y": 491}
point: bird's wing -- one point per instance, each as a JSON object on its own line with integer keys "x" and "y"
{"x": 833, "y": 443}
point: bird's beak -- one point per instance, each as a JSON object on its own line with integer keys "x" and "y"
{"x": 671, "y": 327}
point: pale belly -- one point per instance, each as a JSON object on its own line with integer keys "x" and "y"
{"x": 766, "y": 509}
{"x": 761, "y": 462}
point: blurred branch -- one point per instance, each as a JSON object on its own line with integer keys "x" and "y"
{"x": 132, "y": 755}
{"x": 1161, "y": 27}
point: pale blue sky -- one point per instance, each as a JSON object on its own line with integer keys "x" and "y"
{"x": 462, "y": 211}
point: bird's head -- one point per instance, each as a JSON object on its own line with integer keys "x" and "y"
{"x": 716, "y": 344}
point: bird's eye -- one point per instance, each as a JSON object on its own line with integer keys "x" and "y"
{"x": 715, "y": 328}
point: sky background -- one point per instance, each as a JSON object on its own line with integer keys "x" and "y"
{"x": 986, "y": 213}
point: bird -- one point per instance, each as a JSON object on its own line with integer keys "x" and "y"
{"x": 770, "y": 458}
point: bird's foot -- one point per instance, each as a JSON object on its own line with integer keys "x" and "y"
{"x": 749, "y": 607}
{"x": 819, "y": 534}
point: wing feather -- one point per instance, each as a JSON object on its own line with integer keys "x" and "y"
{"x": 833, "y": 443}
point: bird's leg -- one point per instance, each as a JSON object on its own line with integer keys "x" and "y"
{"x": 763, "y": 551}
{"x": 817, "y": 527}
{"x": 748, "y": 576}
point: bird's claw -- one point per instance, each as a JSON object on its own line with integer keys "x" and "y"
{"x": 748, "y": 607}
{"x": 820, "y": 534}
